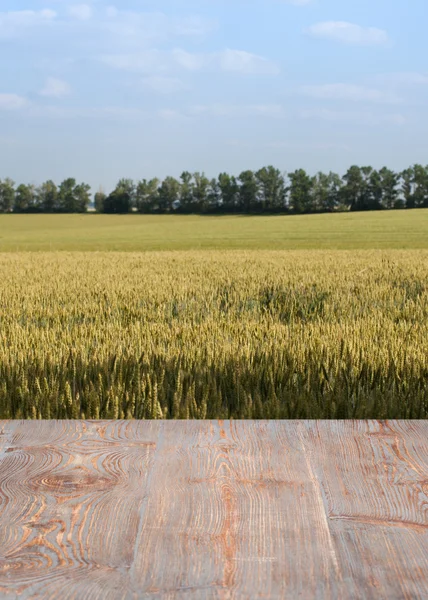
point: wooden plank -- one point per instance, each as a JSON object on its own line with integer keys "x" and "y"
{"x": 73, "y": 493}
{"x": 234, "y": 504}
{"x": 208, "y": 509}
{"x": 374, "y": 481}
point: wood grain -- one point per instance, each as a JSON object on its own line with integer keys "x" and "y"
{"x": 212, "y": 509}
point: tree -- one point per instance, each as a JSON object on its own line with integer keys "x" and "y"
{"x": 368, "y": 189}
{"x": 420, "y": 179}
{"x": 301, "y": 191}
{"x": 353, "y": 188}
{"x": 390, "y": 192}
{"x": 82, "y": 197}
{"x": 334, "y": 192}
{"x": 25, "y": 199}
{"x": 214, "y": 195}
{"x": 326, "y": 192}
{"x": 121, "y": 199}
{"x": 146, "y": 196}
{"x": 272, "y": 191}
{"x": 169, "y": 193}
{"x": 126, "y": 186}
{"x": 229, "y": 190}
{"x": 370, "y": 186}
{"x": 415, "y": 186}
{"x": 248, "y": 191}
{"x": 117, "y": 203}
{"x": 321, "y": 192}
{"x": 376, "y": 190}
{"x": 357, "y": 192}
{"x": 407, "y": 188}
{"x": 47, "y": 197}
{"x": 265, "y": 190}
{"x": 99, "y": 200}
{"x": 67, "y": 202}
{"x": 200, "y": 192}
{"x": 186, "y": 192}
{"x": 7, "y": 195}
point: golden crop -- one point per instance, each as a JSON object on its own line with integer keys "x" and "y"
{"x": 221, "y": 334}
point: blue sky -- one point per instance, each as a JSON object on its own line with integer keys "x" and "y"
{"x": 99, "y": 91}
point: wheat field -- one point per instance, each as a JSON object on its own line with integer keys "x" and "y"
{"x": 214, "y": 334}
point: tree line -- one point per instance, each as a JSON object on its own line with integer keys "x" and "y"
{"x": 266, "y": 191}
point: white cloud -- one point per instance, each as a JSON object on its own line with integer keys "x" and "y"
{"x": 12, "y": 102}
{"x": 15, "y": 23}
{"x": 164, "y": 85}
{"x": 308, "y": 146}
{"x": 192, "y": 26}
{"x": 240, "y": 61}
{"x": 145, "y": 61}
{"x": 352, "y": 116}
{"x": 403, "y": 79}
{"x": 234, "y": 61}
{"x": 106, "y": 112}
{"x": 134, "y": 114}
{"x": 394, "y": 119}
{"x": 231, "y": 110}
{"x": 349, "y": 33}
{"x": 55, "y": 88}
{"x": 170, "y": 114}
{"x": 188, "y": 60}
{"x": 139, "y": 29}
{"x": 140, "y": 114}
{"x": 350, "y": 92}
{"x": 82, "y": 12}
{"x": 294, "y": 146}
{"x": 112, "y": 11}
{"x": 154, "y": 61}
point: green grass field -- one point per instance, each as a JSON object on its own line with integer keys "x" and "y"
{"x": 373, "y": 230}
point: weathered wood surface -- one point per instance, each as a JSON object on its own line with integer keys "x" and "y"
{"x": 204, "y": 509}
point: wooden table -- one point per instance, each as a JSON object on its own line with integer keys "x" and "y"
{"x": 241, "y": 509}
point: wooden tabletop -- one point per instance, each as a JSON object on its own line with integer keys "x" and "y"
{"x": 208, "y": 509}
